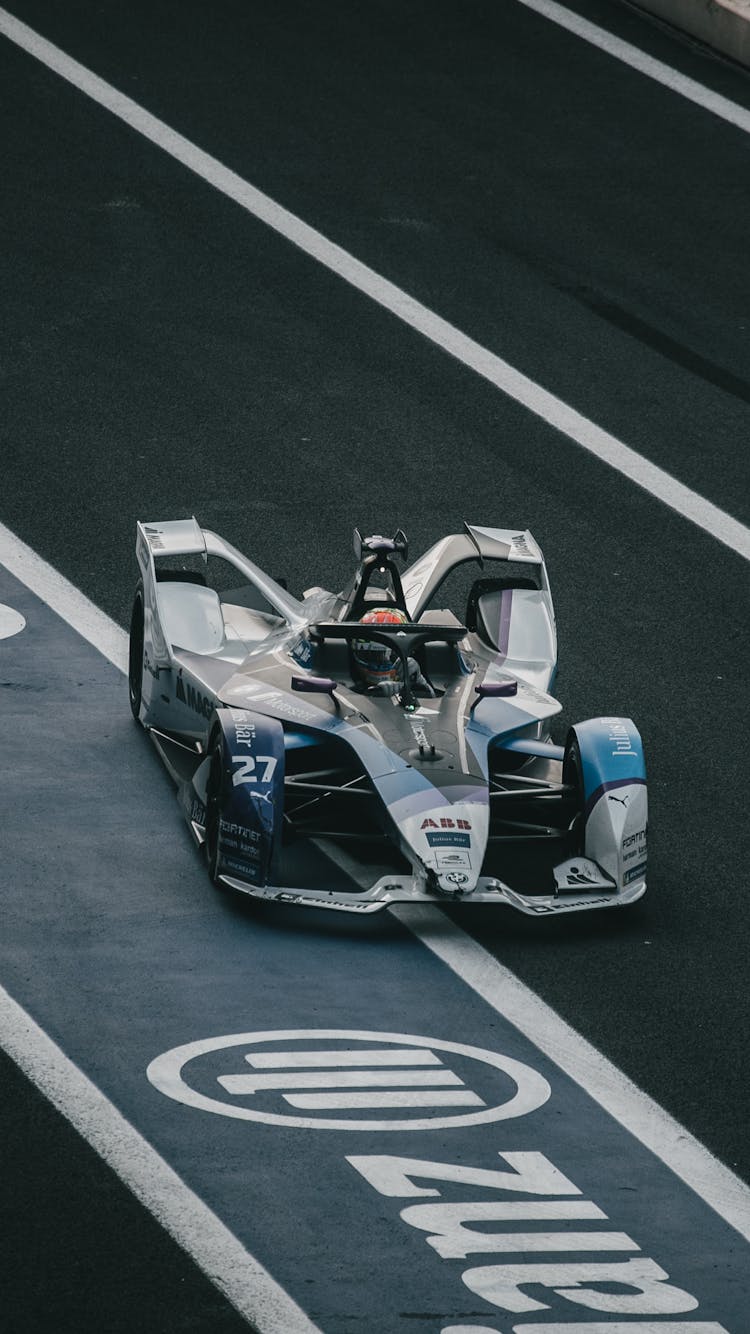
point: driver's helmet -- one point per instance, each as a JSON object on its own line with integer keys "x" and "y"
{"x": 377, "y": 663}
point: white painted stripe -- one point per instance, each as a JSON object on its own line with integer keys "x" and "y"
{"x": 347, "y": 1101}
{"x": 64, "y": 598}
{"x": 639, "y": 1114}
{"x": 505, "y": 377}
{"x": 656, "y": 1326}
{"x": 242, "y": 1085}
{"x": 287, "y": 1060}
{"x": 628, "y": 54}
{"x": 242, "y": 1279}
{"x": 429, "y": 1217}
{"x": 635, "y": 1110}
{"x": 562, "y": 1241}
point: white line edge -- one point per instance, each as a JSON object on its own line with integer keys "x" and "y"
{"x": 196, "y": 1228}
{"x": 638, "y": 1113}
{"x": 635, "y": 1110}
{"x": 559, "y": 415}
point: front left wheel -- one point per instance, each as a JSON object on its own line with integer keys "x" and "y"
{"x": 214, "y": 797}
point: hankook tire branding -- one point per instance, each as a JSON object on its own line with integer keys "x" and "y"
{"x": 274, "y": 1076}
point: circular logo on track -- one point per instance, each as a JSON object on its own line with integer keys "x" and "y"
{"x": 348, "y": 1079}
{"x": 11, "y": 622}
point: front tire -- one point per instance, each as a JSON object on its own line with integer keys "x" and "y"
{"x": 214, "y": 798}
{"x": 135, "y": 654}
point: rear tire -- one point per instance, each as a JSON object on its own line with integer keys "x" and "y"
{"x": 135, "y": 654}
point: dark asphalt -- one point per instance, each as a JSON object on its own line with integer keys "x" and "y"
{"x": 163, "y": 354}
{"x": 144, "y": 956}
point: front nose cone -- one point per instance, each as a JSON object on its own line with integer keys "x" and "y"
{"x": 450, "y": 841}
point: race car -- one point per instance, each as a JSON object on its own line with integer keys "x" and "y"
{"x": 388, "y": 743}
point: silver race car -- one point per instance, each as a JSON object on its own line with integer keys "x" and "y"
{"x": 355, "y": 749}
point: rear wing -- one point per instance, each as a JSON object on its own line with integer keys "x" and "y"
{"x": 422, "y": 579}
{"x": 177, "y": 537}
{"x": 185, "y": 537}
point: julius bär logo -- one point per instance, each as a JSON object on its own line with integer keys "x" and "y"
{"x": 348, "y": 1079}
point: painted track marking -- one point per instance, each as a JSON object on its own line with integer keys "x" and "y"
{"x": 61, "y": 1081}
{"x": 543, "y": 404}
{"x": 195, "y": 1227}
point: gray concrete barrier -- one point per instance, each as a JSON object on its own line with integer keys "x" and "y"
{"x": 722, "y": 24}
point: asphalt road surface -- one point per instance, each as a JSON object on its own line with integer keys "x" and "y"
{"x": 164, "y": 353}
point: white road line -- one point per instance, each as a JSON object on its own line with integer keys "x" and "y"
{"x": 505, "y": 377}
{"x": 716, "y": 1184}
{"x": 312, "y": 1079}
{"x": 360, "y": 1101}
{"x": 196, "y": 1228}
{"x": 706, "y": 98}
{"x": 635, "y": 1110}
{"x": 64, "y": 598}
{"x": 288, "y": 1060}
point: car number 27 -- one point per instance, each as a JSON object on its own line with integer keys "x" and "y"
{"x": 247, "y": 765}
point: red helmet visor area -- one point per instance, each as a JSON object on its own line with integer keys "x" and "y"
{"x": 377, "y": 663}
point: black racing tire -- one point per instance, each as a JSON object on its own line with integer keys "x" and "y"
{"x": 572, "y": 776}
{"x": 214, "y": 798}
{"x": 135, "y": 653}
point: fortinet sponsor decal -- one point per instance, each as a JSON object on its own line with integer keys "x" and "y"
{"x": 490, "y": 1219}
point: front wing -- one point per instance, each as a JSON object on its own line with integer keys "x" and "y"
{"x": 409, "y": 889}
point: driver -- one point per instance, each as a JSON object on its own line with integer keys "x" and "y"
{"x": 378, "y": 666}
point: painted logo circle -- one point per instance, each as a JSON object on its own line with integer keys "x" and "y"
{"x": 11, "y": 622}
{"x": 300, "y": 1076}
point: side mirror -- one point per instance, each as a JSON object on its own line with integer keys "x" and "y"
{"x": 494, "y": 690}
{"x": 314, "y": 685}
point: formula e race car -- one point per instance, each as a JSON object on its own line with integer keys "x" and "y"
{"x": 351, "y": 750}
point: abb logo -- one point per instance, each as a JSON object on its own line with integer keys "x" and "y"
{"x": 445, "y": 823}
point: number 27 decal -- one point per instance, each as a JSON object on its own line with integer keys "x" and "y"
{"x": 246, "y": 771}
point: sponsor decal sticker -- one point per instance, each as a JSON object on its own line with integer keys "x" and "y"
{"x": 189, "y": 695}
{"x": 453, "y": 861}
{"x": 619, "y": 737}
{"x": 448, "y": 839}
{"x": 635, "y": 873}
